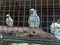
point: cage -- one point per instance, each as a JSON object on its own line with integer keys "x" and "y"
{"x": 21, "y": 33}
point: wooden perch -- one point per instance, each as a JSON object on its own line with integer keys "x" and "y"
{"x": 26, "y": 31}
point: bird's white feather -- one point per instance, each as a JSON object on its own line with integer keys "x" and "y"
{"x": 9, "y": 21}
{"x": 34, "y": 20}
{"x": 55, "y": 29}
{"x": 1, "y": 36}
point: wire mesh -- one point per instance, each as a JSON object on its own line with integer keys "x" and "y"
{"x": 48, "y": 12}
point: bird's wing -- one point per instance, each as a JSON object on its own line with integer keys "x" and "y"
{"x": 38, "y": 20}
{"x": 9, "y": 21}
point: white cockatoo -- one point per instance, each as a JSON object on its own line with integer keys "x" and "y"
{"x": 9, "y": 20}
{"x": 34, "y": 20}
{"x": 55, "y": 29}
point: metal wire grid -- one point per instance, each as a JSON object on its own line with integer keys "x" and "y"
{"x": 22, "y": 3}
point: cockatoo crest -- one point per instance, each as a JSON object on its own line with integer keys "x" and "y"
{"x": 32, "y": 11}
{"x": 8, "y": 15}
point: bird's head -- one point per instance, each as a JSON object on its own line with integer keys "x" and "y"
{"x": 8, "y": 15}
{"x": 58, "y": 21}
{"x": 32, "y": 11}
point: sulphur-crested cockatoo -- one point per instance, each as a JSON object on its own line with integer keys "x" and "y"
{"x": 55, "y": 29}
{"x": 34, "y": 20}
{"x": 9, "y": 20}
